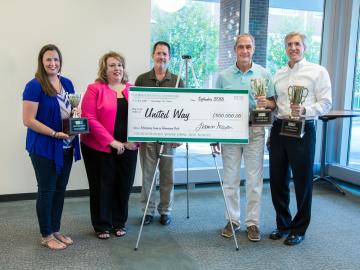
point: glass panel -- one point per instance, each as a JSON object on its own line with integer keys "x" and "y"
{"x": 288, "y": 16}
{"x": 354, "y": 153}
{"x": 191, "y": 28}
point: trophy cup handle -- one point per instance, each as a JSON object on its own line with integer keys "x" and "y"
{"x": 252, "y": 85}
{"x": 291, "y": 93}
{"x": 303, "y": 98}
{"x": 263, "y": 88}
{"x": 266, "y": 87}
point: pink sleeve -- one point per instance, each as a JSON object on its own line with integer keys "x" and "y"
{"x": 89, "y": 110}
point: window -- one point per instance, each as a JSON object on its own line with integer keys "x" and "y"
{"x": 191, "y": 29}
{"x": 288, "y": 16}
{"x": 206, "y": 30}
{"x": 354, "y": 149}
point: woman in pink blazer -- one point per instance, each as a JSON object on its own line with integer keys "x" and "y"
{"x": 110, "y": 160}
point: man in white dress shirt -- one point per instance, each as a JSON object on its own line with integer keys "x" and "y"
{"x": 296, "y": 153}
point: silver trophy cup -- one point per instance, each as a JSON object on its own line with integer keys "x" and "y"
{"x": 260, "y": 116}
{"x": 75, "y": 124}
{"x": 294, "y": 125}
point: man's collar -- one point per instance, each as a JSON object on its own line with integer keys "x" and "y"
{"x": 237, "y": 70}
{"x": 297, "y": 64}
{"x": 152, "y": 75}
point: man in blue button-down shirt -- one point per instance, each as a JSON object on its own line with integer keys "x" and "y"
{"x": 238, "y": 77}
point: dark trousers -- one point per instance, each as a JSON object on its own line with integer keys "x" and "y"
{"x": 297, "y": 154}
{"x": 51, "y": 191}
{"x": 111, "y": 178}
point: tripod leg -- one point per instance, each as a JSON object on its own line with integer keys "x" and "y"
{"x": 179, "y": 75}
{"x": 213, "y": 153}
{"x": 193, "y": 73}
{"x": 148, "y": 199}
{"x": 187, "y": 179}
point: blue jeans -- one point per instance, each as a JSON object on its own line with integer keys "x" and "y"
{"x": 51, "y": 191}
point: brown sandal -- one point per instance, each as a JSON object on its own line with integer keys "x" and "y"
{"x": 52, "y": 243}
{"x": 64, "y": 239}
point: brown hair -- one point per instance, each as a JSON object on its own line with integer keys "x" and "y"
{"x": 159, "y": 43}
{"x": 103, "y": 67}
{"x": 41, "y": 74}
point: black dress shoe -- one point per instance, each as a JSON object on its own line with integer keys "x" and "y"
{"x": 165, "y": 219}
{"x": 148, "y": 219}
{"x": 277, "y": 234}
{"x": 293, "y": 239}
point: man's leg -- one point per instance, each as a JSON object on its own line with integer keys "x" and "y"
{"x": 254, "y": 157}
{"x": 166, "y": 168}
{"x": 279, "y": 177}
{"x": 231, "y": 156}
{"x": 301, "y": 162}
{"x": 148, "y": 159}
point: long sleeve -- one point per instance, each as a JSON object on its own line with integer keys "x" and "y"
{"x": 90, "y": 109}
{"x": 323, "y": 95}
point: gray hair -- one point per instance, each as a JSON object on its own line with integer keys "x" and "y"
{"x": 244, "y": 35}
{"x": 292, "y": 34}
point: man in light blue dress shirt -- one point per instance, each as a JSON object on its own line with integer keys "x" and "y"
{"x": 236, "y": 77}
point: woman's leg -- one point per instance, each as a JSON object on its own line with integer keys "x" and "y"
{"x": 61, "y": 183}
{"x": 125, "y": 173}
{"x": 46, "y": 176}
{"x": 92, "y": 165}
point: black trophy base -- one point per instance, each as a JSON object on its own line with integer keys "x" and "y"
{"x": 261, "y": 118}
{"x": 293, "y": 127}
{"x": 75, "y": 126}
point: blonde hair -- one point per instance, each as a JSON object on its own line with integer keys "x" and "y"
{"x": 103, "y": 67}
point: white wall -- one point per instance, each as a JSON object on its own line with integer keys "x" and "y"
{"x": 83, "y": 30}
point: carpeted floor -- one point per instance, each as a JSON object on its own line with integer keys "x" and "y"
{"x": 332, "y": 240}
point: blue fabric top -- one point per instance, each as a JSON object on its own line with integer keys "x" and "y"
{"x": 233, "y": 79}
{"x": 49, "y": 114}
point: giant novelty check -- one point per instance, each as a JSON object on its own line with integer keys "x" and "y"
{"x": 188, "y": 115}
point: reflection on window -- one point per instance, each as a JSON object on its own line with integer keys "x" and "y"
{"x": 192, "y": 29}
{"x": 354, "y": 153}
{"x": 293, "y": 16}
